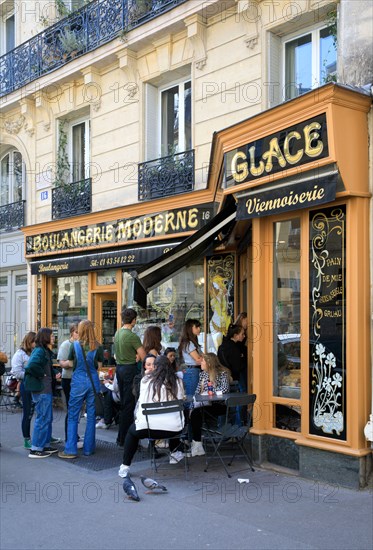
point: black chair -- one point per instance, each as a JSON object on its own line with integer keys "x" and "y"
{"x": 229, "y": 433}
{"x": 158, "y": 455}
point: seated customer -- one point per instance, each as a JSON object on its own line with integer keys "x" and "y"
{"x": 161, "y": 385}
{"x": 216, "y": 377}
{"x": 111, "y": 404}
{"x": 147, "y": 368}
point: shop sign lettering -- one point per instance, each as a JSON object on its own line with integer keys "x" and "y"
{"x": 120, "y": 231}
{"x": 293, "y": 146}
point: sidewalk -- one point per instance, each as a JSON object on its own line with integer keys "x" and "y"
{"x": 59, "y": 505}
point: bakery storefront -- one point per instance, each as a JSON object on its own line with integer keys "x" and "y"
{"x": 82, "y": 269}
{"x": 299, "y": 174}
{"x": 297, "y": 260}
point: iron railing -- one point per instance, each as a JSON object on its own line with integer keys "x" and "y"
{"x": 12, "y": 216}
{"x": 72, "y": 199}
{"x": 166, "y": 176}
{"x": 81, "y": 32}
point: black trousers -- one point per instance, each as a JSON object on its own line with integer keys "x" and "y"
{"x": 125, "y": 375}
{"x": 209, "y": 413}
{"x": 133, "y": 437}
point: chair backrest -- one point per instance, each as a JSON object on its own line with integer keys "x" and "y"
{"x": 240, "y": 400}
{"x": 163, "y": 407}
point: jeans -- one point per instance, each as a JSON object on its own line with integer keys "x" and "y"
{"x": 42, "y": 433}
{"x": 133, "y": 437}
{"x": 191, "y": 379}
{"x": 28, "y": 411}
{"x": 125, "y": 375}
{"x": 81, "y": 390}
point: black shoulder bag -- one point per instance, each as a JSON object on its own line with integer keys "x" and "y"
{"x": 99, "y": 396}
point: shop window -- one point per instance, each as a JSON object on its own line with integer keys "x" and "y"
{"x": 170, "y": 304}
{"x": 301, "y": 63}
{"x": 286, "y": 300}
{"x": 12, "y": 178}
{"x": 69, "y": 304}
{"x": 168, "y": 118}
{"x": 107, "y": 277}
{"x": 220, "y": 281}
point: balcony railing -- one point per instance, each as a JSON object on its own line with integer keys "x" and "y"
{"x": 81, "y": 32}
{"x": 72, "y": 199}
{"x": 166, "y": 176}
{"x": 12, "y": 216}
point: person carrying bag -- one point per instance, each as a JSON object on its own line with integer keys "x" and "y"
{"x": 87, "y": 356}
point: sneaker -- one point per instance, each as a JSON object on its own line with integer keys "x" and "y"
{"x": 197, "y": 449}
{"x": 27, "y": 443}
{"x": 101, "y": 424}
{"x": 38, "y": 454}
{"x": 62, "y": 454}
{"x": 123, "y": 471}
{"x": 176, "y": 457}
{"x": 55, "y": 440}
{"x": 50, "y": 450}
{"x": 80, "y": 444}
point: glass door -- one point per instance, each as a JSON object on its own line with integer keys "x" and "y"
{"x": 105, "y": 318}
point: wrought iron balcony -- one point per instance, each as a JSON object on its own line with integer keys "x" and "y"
{"x": 166, "y": 176}
{"x": 81, "y": 32}
{"x": 12, "y": 216}
{"x": 72, "y": 199}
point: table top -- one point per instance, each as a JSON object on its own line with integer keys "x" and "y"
{"x": 202, "y": 397}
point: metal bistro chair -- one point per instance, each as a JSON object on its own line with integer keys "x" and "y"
{"x": 164, "y": 407}
{"x": 230, "y": 433}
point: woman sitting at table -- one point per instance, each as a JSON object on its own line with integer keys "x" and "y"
{"x": 160, "y": 385}
{"x": 216, "y": 378}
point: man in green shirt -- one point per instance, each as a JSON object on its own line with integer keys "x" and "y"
{"x": 126, "y": 345}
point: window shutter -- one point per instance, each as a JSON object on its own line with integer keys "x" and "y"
{"x": 275, "y": 84}
{"x": 151, "y": 123}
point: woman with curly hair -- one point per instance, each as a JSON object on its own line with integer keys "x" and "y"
{"x": 161, "y": 384}
{"x": 85, "y": 353}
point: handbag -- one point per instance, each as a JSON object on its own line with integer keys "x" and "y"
{"x": 99, "y": 396}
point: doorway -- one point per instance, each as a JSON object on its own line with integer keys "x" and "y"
{"x": 105, "y": 319}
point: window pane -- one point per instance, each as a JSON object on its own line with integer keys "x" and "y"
{"x": 21, "y": 280}
{"x": 3, "y": 280}
{"x": 10, "y": 34}
{"x": 188, "y": 115}
{"x": 78, "y": 165}
{"x": 298, "y": 66}
{"x": 170, "y": 121}
{"x": 286, "y": 356}
{"x": 17, "y": 173}
{"x": 4, "y": 189}
{"x": 328, "y": 56}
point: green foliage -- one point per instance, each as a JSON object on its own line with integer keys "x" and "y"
{"x": 70, "y": 41}
{"x": 63, "y": 165}
{"x": 331, "y": 21}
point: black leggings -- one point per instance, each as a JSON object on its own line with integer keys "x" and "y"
{"x": 133, "y": 437}
{"x": 196, "y": 418}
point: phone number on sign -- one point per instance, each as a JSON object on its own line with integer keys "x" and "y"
{"x": 130, "y": 259}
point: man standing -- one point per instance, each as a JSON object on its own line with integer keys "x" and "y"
{"x": 126, "y": 346}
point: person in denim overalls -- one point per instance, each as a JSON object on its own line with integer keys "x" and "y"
{"x": 82, "y": 390}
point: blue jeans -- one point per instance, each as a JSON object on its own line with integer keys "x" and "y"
{"x": 28, "y": 411}
{"x": 42, "y": 433}
{"x": 191, "y": 379}
{"x": 81, "y": 390}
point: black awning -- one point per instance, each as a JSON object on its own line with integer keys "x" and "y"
{"x": 191, "y": 249}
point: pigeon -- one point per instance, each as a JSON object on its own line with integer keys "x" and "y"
{"x": 151, "y": 484}
{"x": 130, "y": 489}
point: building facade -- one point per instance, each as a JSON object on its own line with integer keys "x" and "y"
{"x": 127, "y": 126}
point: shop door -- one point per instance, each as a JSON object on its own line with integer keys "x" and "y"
{"x": 105, "y": 318}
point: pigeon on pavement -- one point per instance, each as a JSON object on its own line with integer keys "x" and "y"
{"x": 130, "y": 489}
{"x": 152, "y": 485}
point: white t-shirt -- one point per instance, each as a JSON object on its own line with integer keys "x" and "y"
{"x": 63, "y": 355}
{"x": 171, "y": 422}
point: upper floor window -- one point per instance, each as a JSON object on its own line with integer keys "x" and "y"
{"x": 12, "y": 178}
{"x": 300, "y": 62}
{"x": 310, "y": 61}
{"x": 79, "y": 150}
{"x": 169, "y": 118}
{"x": 7, "y": 28}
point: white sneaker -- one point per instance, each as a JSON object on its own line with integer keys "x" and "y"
{"x": 176, "y": 457}
{"x": 123, "y": 471}
{"x": 197, "y": 448}
{"x": 101, "y": 424}
{"x": 80, "y": 444}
